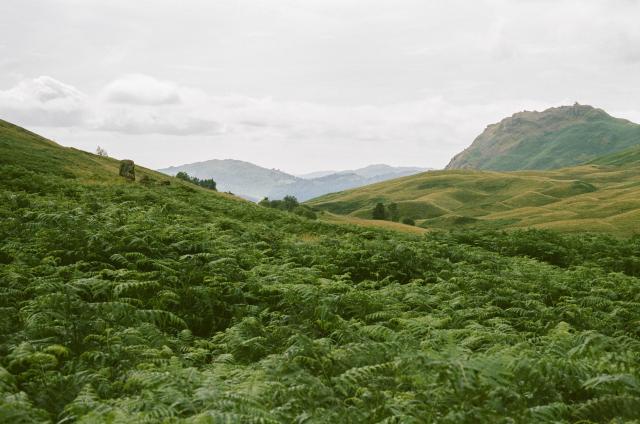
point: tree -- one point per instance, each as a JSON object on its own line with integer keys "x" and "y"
{"x": 289, "y": 203}
{"x": 101, "y": 152}
{"x": 408, "y": 221}
{"x": 394, "y": 213}
{"x": 208, "y": 183}
{"x": 183, "y": 176}
{"x": 379, "y": 212}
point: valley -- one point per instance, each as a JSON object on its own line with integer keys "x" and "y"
{"x": 254, "y": 182}
{"x": 154, "y": 299}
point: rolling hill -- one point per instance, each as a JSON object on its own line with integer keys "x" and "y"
{"x": 627, "y": 157}
{"x": 555, "y": 138}
{"x": 596, "y": 197}
{"x": 254, "y": 182}
{"x": 158, "y": 301}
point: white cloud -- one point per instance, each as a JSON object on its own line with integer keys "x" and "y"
{"x": 141, "y": 89}
{"x": 43, "y": 101}
{"x": 425, "y": 131}
{"x": 142, "y": 104}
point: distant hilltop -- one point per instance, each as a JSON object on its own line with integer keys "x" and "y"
{"x": 254, "y": 182}
{"x": 554, "y": 138}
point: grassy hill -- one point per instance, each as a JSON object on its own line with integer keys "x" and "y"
{"x": 628, "y": 157}
{"x": 555, "y": 138}
{"x": 592, "y": 197}
{"x": 157, "y": 301}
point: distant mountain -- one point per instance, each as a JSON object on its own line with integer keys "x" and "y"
{"x": 245, "y": 179}
{"x": 384, "y": 172}
{"x": 314, "y": 187}
{"x": 371, "y": 171}
{"x": 316, "y": 174}
{"x": 555, "y": 138}
{"x": 255, "y": 182}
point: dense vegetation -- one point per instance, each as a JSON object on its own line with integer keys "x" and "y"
{"x": 126, "y": 302}
{"x": 554, "y": 138}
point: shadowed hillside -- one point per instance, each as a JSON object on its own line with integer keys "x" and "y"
{"x": 555, "y": 138}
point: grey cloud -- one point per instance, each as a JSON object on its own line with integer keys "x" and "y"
{"x": 43, "y": 101}
{"x": 141, "y": 90}
{"x": 150, "y": 123}
{"x": 288, "y": 81}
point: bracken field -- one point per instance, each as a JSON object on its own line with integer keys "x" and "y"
{"x": 160, "y": 301}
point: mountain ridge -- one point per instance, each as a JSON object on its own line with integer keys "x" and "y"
{"x": 254, "y": 182}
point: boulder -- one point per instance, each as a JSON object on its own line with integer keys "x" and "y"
{"x": 128, "y": 169}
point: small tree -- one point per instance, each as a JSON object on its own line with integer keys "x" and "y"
{"x": 183, "y": 176}
{"x": 289, "y": 203}
{"x": 408, "y": 221}
{"x": 394, "y": 213}
{"x": 101, "y": 152}
{"x": 379, "y": 212}
{"x": 208, "y": 183}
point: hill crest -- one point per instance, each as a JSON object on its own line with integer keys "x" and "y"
{"x": 554, "y": 138}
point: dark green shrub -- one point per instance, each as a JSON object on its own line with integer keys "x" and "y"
{"x": 379, "y": 211}
{"x": 408, "y": 221}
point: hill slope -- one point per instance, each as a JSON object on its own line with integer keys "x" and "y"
{"x": 555, "y": 138}
{"x": 145, "y": 302}
{"x": 255, "y": 182}
{"x": 628, "y": 157}
{"x": 590, "y": 197}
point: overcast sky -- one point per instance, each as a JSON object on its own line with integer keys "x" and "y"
{"x": 304, "y": 85}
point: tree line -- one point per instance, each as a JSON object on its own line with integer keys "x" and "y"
{"x": 390, "y": 212}
{"x": 208, "y": 183}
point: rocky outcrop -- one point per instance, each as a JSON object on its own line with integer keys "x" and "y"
{"x": 128, "y": 169}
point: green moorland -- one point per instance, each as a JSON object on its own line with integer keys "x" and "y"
{"x": 144, "y": 302}
{"x": 627, "y": 157}
{"x": 603, "y": 196}
{"x": 554, "y": 138}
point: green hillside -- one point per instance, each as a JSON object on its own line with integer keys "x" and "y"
{"x": 157, "y": 301}
{"x": 594, "y": 198}
{"x": 628, "y": 157}
{"x": 555, "y": 138}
